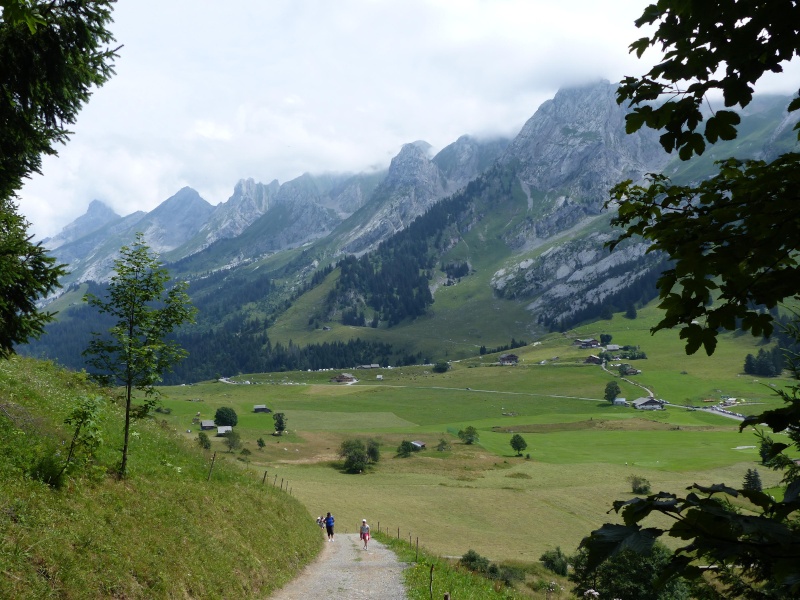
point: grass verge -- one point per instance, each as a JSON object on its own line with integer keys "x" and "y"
{"x": 166, "y": 531}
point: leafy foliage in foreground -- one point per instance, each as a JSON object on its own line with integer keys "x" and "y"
{"x": 732, "y": 235}
{"x": 749, "y": 554}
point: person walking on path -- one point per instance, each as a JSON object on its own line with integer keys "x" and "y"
{"x": 321, "y": 522}
{"x": 364, "y": 533}
{"x": 329, "y": 526}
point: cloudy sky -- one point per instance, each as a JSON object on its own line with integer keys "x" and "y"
{"x": 209, "y": 92}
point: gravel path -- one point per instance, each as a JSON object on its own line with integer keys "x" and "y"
{"x": 345, "y": 570}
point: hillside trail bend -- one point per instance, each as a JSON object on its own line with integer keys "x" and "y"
{"x": 345, "y": 570}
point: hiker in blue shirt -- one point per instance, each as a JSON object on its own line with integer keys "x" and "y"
{"x": 329, "y": 526}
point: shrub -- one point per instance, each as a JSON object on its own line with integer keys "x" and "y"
{"x": 233, "y": 440}
{"x": 441, "y": 367}
{"x": 468, "y": 435}
{"x": 639, "y": 485}
{"x": 555, "y": 561}
{"x": 203, "y": 440}
{"x": 405, "y": 449}
{"x": 474, "y": 562}
{"x": 48, "y": 469}
{"x": 373, "y": 451}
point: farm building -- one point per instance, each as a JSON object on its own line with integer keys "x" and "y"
{"x": 344, "y": 378}
{"x": 508, "y": 359}
{"x": 418, "y": 445}
{"x": 647, "y": 404}
{"x": 223, "y": 429}
{"x": 261, "y": 408}
{"x": 587, "y": 343}
{"x": 207, "y": 425}
{"x": 620, "y": 402}
{"x": 594, "y": 360}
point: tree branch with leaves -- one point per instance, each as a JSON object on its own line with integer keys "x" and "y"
{"x": 732, "y": 238}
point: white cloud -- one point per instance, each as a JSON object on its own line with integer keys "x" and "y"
{"x": 208, "y": 93}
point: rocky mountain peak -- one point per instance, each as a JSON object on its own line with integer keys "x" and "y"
{"x": 96, "y": 216}
{"x": 575, "y": 146}
{"x": 176, "y": 220}
{"x": 467, "y": 157}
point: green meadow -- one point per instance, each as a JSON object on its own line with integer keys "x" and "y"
{"x": 482, "y": 496}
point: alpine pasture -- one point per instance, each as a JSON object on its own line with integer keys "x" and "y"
{"x": 581, "y": 449}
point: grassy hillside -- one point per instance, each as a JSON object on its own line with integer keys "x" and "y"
{"x": 581, "y": 448}
{"x": 165, "y": 532}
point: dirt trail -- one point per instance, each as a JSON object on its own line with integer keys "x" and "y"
{"x": 345, "y": 570}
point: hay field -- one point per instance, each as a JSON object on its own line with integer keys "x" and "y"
{"x": 482, "y": 496}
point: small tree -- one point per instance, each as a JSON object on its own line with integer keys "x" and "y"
{"x": 373, "y": 451}
{"x": 203, "y": 440}
{"x": 612, "y": 391}
{"x": 405, "y": 449}
{"x": 443, "y": 445}
{"x": 752, "y": 480}
{"x": 225, "y": 415}
{"x": 518, "y": 443}
{"x": 355, "y": 456}
{"x": 441, "y": 367}
{"x": 135, "y": 352}
{"x": 469, "y": 435}
{"x": 88, "y": 437}
{"x": 261, "y": 443}
{"x": 605, "y": 338}
{"x": 233, "y": 440}
{"x": 280, "y": 422}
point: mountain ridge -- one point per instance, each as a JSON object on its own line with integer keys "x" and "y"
{"x": 518, "y": 226}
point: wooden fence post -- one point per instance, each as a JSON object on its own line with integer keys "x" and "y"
{"x": 263, "y": 479}
{"x": 213, "y": 458}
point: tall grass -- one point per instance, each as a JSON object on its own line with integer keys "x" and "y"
{"x": 166, "y": 531}
{"x": 429, "y": 576}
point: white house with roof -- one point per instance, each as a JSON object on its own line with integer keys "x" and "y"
{"x": 648, "y": 403}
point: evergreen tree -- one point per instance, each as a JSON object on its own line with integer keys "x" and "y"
{"x": 752, "y": 480}
{"x": 630, "y": 311}
{"x": 52, "y": 55}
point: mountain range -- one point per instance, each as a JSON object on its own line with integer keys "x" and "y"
{"x": 488, "y": 239}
